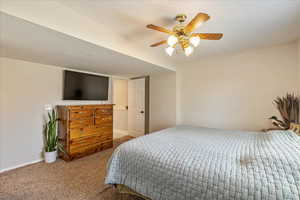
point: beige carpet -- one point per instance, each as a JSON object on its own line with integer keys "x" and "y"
{"x": 82, "y": 179}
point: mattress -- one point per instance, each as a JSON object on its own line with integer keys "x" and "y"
{"x": 184, "y": 162}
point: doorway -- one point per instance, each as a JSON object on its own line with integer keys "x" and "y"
{"x": 131, "y": 107}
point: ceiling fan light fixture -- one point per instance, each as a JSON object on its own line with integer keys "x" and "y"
{"x": 183, "y": 35}
{"x": 172, "y": 40}
{"x": 188, "y": 51}
{"x": 170, "y": 51}
{"x": 195, "y": 40}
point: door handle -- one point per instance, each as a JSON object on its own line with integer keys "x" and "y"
{"x": 142, "y": 111}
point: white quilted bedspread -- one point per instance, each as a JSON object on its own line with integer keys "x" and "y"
{"x": 185, "y": 163}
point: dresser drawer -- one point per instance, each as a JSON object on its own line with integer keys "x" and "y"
{"x": 103, "y": 119}
{"x": 83, "y": 132}
{"x": 76, "y": 133}
{"x": 81, "y": 123}
{"x": 87, "y": 141}
{"x": 96, "y": 143}
{"x": 81, "y": 114}
{"x": 101, "y": 111}
{"x": 84, "y": 148}
{"x": 106, "y": 138}
{"x": 106, "y": 128}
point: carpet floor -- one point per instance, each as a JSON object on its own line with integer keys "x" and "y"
{"x": 81, "y": 179}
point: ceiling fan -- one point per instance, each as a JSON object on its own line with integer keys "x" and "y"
{"x": 183, "y": 35}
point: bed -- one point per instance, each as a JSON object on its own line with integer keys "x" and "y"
{"x": 185, "y": 162}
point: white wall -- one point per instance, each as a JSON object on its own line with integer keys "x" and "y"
{"x": 25, "y": 89}
{"x": 1, "y": 113}
{"x": 162, "y": 101}
{"x": 120, "y": 99}
{"x": 236, "y": 91}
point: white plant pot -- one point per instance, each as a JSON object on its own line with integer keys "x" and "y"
{"x": 50, "y": 157}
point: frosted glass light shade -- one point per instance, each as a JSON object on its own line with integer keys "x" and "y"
{"x": 195, "y": 40}
{"x": 188, "y": 51}
{"x": 172, "y": 40}
{"x": 170, "y": 51}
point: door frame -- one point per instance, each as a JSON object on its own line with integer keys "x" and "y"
{"x": 147, "y": 102}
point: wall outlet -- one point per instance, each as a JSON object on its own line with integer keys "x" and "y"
{"x": 48, "y": 107}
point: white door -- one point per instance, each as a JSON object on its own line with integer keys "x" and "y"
{"x": 120, "y": 101}
{"x": 136, "y": 107}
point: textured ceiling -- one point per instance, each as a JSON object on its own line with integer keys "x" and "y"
{"x": 119, "y": 25}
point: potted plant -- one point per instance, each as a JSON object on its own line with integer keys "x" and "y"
{"x": 288, "y": 108}
{"x": 51, "y": 138}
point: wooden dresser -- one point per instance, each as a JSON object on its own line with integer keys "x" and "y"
{"x": 85, "y": 129}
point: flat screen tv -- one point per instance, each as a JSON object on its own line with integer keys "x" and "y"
{"x": 82, "y": 86}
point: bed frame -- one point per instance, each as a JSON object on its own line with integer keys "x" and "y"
{"x": 126, "y": 190}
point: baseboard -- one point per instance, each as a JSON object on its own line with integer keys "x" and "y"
{"x": 119, "y": 132}
{"x": 135, "y": 133}
{"x": 21, "y": 165}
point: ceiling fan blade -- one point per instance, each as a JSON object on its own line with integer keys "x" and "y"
{"x": 161, "y": 29}
{"x": 198, "y": 19}
{"x": 158, "y": 43}
{"x": 209, "y": 36}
